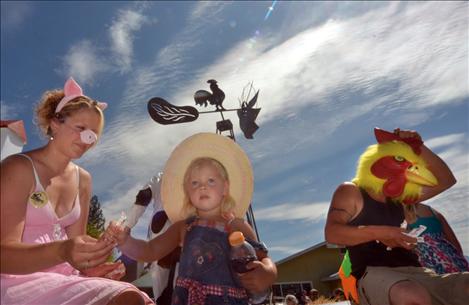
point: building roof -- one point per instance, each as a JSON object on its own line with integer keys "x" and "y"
{"x": 288, "y": 258}
{"x": 16, "y": 126}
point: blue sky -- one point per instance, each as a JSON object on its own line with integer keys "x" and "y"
{"x": 328, "y": 72}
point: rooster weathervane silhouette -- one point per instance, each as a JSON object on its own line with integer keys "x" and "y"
{"x": 165, "y": 113}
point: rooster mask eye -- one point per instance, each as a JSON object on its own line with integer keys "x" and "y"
{"x": 399, "y": 158}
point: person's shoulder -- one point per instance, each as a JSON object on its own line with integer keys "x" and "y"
{"x": 421, "y": 207}
{"x": 85, "y": 176}
{"x": 16, "y": 164}
{"x": 17, "y": 174}
{"x": 348, "y": 189}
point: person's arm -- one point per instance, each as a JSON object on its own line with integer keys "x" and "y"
{"x": 435, "y": 164}
{"x": 142, "y": 250}
{"x": 104, "y": 268}
{"x": 441, "y": 171}
{"x": 448, "y": 232}
{"x": 346, "y": 204}
{"x": 17, "y": 182}
{"x": 263, "y": 272}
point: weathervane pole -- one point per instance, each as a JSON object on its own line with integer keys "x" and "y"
{"x": 249, "y": 213}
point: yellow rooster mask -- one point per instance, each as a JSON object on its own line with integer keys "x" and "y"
{"x": 393, "y": 167}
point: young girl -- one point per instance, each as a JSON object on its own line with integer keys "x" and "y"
{"x": 441, "y": 250}
{"x": 46, "y": 256}
{"x": 207, "y": 182}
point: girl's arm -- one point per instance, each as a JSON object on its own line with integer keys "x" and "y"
{"x": 147, "y": 251}
{"x": 17, "y": 182}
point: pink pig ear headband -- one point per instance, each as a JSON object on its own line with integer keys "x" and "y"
{"x": 72, "y": 90}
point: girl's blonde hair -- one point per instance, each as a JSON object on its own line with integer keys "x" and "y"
{"x": 228, "y": 202}
{"x": 45, "y": 110}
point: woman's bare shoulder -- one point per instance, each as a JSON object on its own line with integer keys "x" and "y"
{"x": 16, "y": 166}
{"x": 85, "y": 176}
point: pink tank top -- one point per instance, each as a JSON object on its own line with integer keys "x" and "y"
{"x": 42, "y": 225}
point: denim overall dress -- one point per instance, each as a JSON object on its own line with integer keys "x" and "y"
{"x": 205, "y": 275}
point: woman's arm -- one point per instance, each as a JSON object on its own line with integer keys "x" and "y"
{"x": 17, "y": 182}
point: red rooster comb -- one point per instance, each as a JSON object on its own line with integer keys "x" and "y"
{"x": 383, "y": 136}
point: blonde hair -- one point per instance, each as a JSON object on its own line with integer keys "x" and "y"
{"x": 228, "y": 202}
{"x": 45, "y": 109}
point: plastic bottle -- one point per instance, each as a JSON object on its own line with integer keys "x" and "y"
{"x": 241, "y": 254}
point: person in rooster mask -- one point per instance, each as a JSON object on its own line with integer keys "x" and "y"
{"x": 366, "y": 215}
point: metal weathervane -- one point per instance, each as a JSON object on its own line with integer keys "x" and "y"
{"x": 165, "y": 113}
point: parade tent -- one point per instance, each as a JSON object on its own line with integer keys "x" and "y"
{"x": 13, "y": 137}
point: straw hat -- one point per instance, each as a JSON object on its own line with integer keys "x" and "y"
{"x": 214, "y": 146}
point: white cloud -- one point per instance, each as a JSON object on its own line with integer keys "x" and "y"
{"x": 15, "y": 13}
{"x": 311, "y": 212}
{"x": 401, "y": 62}
{"x": 166, "y": 70}
{"x": 121, "y": 32}
{"x": 83, "y": 62}
{"x": 7, "y": 111}
{"x": 437, "y": 143}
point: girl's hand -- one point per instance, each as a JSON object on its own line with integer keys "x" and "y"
{"x": 258, "y": 279}
{"x": 113, "y": 271}
{"x": 115, "y": 234}
{"x": 84, "y": 251}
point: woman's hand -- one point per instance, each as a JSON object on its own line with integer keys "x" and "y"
{"x": 83, "y": 252}
{"x": 259, "y": 278}
{"x": 110, "y": 270}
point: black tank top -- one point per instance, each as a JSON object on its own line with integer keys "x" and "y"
{"x": 373, "y": 253}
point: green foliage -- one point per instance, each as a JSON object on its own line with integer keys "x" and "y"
{"x": 96, "y": 220}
